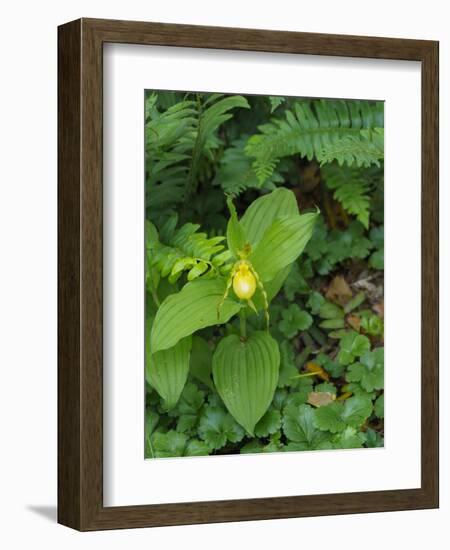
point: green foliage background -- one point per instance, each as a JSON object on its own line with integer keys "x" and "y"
{"x": 327, "y": 317}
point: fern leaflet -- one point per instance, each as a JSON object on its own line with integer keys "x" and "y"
{"x": 175, "y": 251}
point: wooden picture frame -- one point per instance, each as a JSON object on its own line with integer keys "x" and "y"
{"x": 80, "y": 271}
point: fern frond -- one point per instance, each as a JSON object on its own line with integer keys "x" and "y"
{"x": 175, "y": 251}
{"x": 178, "y": 140}
{"x": 169, "y": 137}
{"x": 352, "y": 188}
{"x": 236, "y": 174}
{"x": 216, "y": 113}
{"x": 354, "y": 199}
{"x": 309, "y": 128}
{"x": 275, "y": 101}
{"x": 363, "y": 150}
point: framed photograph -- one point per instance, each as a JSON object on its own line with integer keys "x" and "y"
{"x": 248, "y": 274}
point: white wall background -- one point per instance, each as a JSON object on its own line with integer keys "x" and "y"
{"x": 28, "y": 272}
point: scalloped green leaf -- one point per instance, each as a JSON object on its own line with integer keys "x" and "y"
{"x": 329, "y": 418}
{"x": 352, "y": 345}
{"x": 191, "y": 309}
{"x": 167, "y": 370}
{"x": 281, "y": 244}
{"x": 356, "y": 410}
{"x": 216, "y": 427}
{"x": 269, "y": 423}
{"x": 246, "y": 374}
{"x": 168, "y": 445}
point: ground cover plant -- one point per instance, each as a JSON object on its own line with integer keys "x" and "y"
{"x": 264, "y": 274}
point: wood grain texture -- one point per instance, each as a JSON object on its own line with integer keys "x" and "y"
{"x": 80, "y": 262}
{"x": 69, "y": 245}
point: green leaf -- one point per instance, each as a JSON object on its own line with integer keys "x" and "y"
{"x": 354, "y": 302}
{"x": 349, "y": 439}
{"x": 281, "y": 244}
{"x": 356, "y": 389}
{"x": 294, "y": 320}
{"x": 269, "y": 424}
{"x": 361, "y": 150}
{"x": 254, "y": 446}
{"x": 182, "y": 249}
{"x": 351, "y": 188}
{"x": 195, "y": 447}
{"x": 373, "y": 439}
{"x": 216, "y": 113}
{"x": 189, "y": 310}
{"x": 295, "y": 283}
{"x": 329, "y": 417}
{"x": 170, "y": 444}
{"x": 332, "y": 367}
{"x": 246, "y": 375}
{"x": 175, "y": 444}
{"x": 356, "y": 410}
{"x": 167, "y": 370}
{"x": 369, "y": 372}
{"x": 235, "y": 173}
{"x": 315, "y": 302}
{"x": 151, "y": 421}
{"x": 370, "y": 323}
{"x": 330, "y": 311}
{"x": 325, "y": 129}
{"x": 260, "y": 215}
{"x": 272, "y": 288}
{"x": 151, "y": 235}
{"x": 216, "y": 427}
{"x": 236, "y": 238}
{"x": 352, "y": 345}
{"x": 300, "y": 395}
{"x": 298, "y": 423}
{"x": 336, "y": 416}
{"x": 325, "y": 387}
{"x": 379, "y": 407}
{"x": 288, "y": 370}
{"x": 188, "y": 407}
{"x": 275, "y": 101}
{"x": 376, "y": 260}
{"x": 201, "y": 361}
{"x": 198, "y": 269}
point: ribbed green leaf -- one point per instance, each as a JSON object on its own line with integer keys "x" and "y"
{"x": 281, "y": 244}
{"x": 246, "y": 376}
{"x": 260, "y": 215}
{"x": 189, "y": 310}
{"x": 167, "y": 370}
{"x": 236, "y": 238}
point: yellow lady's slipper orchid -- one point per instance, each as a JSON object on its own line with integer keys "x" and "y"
{"x": 244, "y": 282}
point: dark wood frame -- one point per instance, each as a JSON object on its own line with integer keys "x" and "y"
{"x": 80, "y": 402}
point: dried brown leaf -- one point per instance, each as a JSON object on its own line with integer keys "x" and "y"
{"x": 379, "y": 309}
{"x": 339, "y": 291}
{"x": 317, "y": 370}
{"x": 319, "y": 399}
{"x": 354, "y": 321}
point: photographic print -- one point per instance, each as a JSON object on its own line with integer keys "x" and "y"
{"x": 264, "y": 274}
